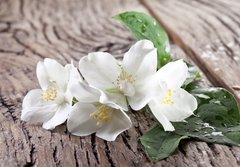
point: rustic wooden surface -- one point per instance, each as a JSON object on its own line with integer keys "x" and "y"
{"x": 31, "y": 30}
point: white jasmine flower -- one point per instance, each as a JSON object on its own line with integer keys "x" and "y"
{"x": 120, "y": 83}
{"x": 175, "y": 104}
{"x": 52, "y": 103}
{"x": 90, "y": 116}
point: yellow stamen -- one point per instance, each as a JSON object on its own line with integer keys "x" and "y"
{"x": 124, "y": 76}
{"x": 102, "y": 114}
{"x": 168, "y": 98}
{"x": 50, "y": 94}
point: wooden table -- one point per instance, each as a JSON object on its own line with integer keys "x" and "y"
{"x": 207, "y": 31}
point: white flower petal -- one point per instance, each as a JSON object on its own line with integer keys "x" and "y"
{"x": 119, "y": 122}
{"x": 38, "y": 114}
{"x": 99, "y": 69}
{"x": 183, "y": 107}
{"x": 32, "y": 98}
{"x": 57, "y": 73}
{"x": 140, "y": 99}
{"x": 59, "y": 117}
{"x": 34, "y": 109}
{"x": 145, "y": 91}
{"x": 115, "y": 100}
{"x": 84, "y": 93}
{"x": 167, "y": 125}
{"x": 141, "y": 59}
{"x": 79, "y": 122}
{"x": 74, "y": 78}
{"x": 42, "y": 75}
{"x": 173, "y": 73}
{"x": 74, "y": 75}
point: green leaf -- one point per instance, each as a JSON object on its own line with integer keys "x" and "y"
{"x": 218, "y": 106}
{"x": 217, "y": 118}
{"x": 145, "y": 27}
{"x": 160, "y": 144}
{"x": 74, "y": 101}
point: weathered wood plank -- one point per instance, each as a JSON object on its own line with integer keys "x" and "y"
{"x": 209, "y": 32}
{"x": 65, "y": 30}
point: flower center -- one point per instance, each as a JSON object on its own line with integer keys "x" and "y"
{"x": 52, "y": 94}
{"x": 102, "y": 114}
{"x": 168, "y": 98}
{"x": 124, "y": 82}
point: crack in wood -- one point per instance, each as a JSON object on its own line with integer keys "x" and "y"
{"x": 31, "y": 146}
{"x": 27, "y": 135}
{"x": 32, "y": 160}
{"x": 12, "y": 52}
{"x": 61, "y": 142}
{"x": 75, "y": 157}
{"x": 108, "y": 154}
{"x": 55, "y": 156}
{"x": 44, "y": 27}
{"x": 93, "y": 144}
{"x": 56, "y": 33}
{"x": 87, "y": 156}
{"x": 125, "y": 141}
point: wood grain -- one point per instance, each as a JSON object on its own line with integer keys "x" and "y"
{"x": 209, "y": 32}
{"x": 68, "y": 29}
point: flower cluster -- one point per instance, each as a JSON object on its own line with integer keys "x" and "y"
{"x": 96, "y": 98}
